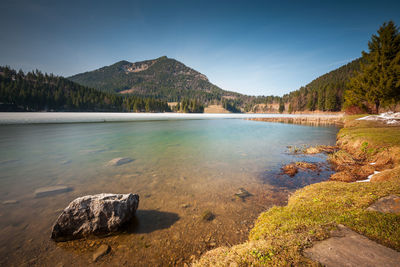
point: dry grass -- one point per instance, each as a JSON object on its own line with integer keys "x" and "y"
{"x": 215, "y": 109}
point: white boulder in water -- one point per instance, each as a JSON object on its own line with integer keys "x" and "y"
{"x": 119, "y": 161}
{"x": 94, "y": 214}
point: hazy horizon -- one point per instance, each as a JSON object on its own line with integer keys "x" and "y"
{"x": 257, "y": 48}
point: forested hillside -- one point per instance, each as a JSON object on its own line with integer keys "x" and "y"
{"x": 324, "y": 93}
{"x": 36, "y": 91}
{"x": 162, "y": 78}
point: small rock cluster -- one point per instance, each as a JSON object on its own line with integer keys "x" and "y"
{"x": 292, "y": 168}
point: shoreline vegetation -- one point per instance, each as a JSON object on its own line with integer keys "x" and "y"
{"x": 307, "y": 120}
{"x": 282, "y": 234}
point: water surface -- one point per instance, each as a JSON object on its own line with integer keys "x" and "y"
{"x": 180, "y": 169}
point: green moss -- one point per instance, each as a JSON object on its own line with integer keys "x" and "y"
{"x": 364, "y": 146}
{"x": 316, "y": 209}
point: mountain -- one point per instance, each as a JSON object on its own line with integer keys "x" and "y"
{"x": 325, "y": 93}
{"x": 163, "y": 78}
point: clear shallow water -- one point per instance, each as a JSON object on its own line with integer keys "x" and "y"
{"x": 181, "y": 168}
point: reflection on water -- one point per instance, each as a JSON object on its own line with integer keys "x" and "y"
{"x": 180, "y": 169}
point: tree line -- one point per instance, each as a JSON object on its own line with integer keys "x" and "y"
{"x": 35, "y": 91}
{"x": 189, "y": 106}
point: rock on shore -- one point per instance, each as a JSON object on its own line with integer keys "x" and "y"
{"x": 94, "y": 214}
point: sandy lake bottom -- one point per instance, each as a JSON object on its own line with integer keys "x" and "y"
{"x": 180, "y": 169}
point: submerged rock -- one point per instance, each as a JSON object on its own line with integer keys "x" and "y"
{"x": 101, "y": 251}
{"x": 320, "y": 149}
{"x": 307, "y": 166}
{"x": 51, "y": 190}
{"x": 207, "y": 216}
{"x": 312, "y": 150}
{"x": 242, "y": 193}
{"x": 94, "y": 214}
{"x": 290, "y": 169}
{"x": 119, "y": 161}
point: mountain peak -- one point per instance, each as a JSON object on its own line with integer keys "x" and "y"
{"x": 163, "y": 78}
{"x": 162, "y": 58}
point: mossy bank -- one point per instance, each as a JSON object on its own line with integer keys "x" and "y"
{"x": 281, "y": 234}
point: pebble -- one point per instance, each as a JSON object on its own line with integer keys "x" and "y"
{"x": 122, "y": 247}
{"x": 10, "y": 202}
{"x": 101, "y": 251}
{"x": 207, "y": 216}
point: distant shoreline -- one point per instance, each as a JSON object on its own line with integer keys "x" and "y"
{"x": 307, "y": 120}
{"x": 8, "y": 118}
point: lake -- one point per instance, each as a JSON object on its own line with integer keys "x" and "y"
{"x": 180, "y": 169}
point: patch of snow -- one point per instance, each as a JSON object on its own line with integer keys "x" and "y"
{"x": 372, "y": 163}
{"x": 369, "y": 118}
{"x": 369, "y": 177}
{"x": 387, "y": 117}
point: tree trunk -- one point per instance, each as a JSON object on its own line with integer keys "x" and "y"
{"x": 377, "y": 104}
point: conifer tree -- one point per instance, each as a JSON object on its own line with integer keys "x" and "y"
{"x": 281, "y": 106}
{"x": 378, "y": 83}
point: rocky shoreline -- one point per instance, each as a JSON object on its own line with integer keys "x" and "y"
{"x": 361, "y": 157}
{"x": 366, "y": 151}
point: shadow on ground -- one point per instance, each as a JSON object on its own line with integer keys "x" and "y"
{"x": 147, "y": 221}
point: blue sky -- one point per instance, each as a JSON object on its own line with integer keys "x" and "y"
{"x": 252, "y": 47}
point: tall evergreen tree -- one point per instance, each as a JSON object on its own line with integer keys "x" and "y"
{"x": 330, "y": 99}
{"x": 281, "y": 106}
{"x": 378, "y": 83}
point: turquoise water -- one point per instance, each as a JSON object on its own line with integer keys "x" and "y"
{"x": 180, "y": 168}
